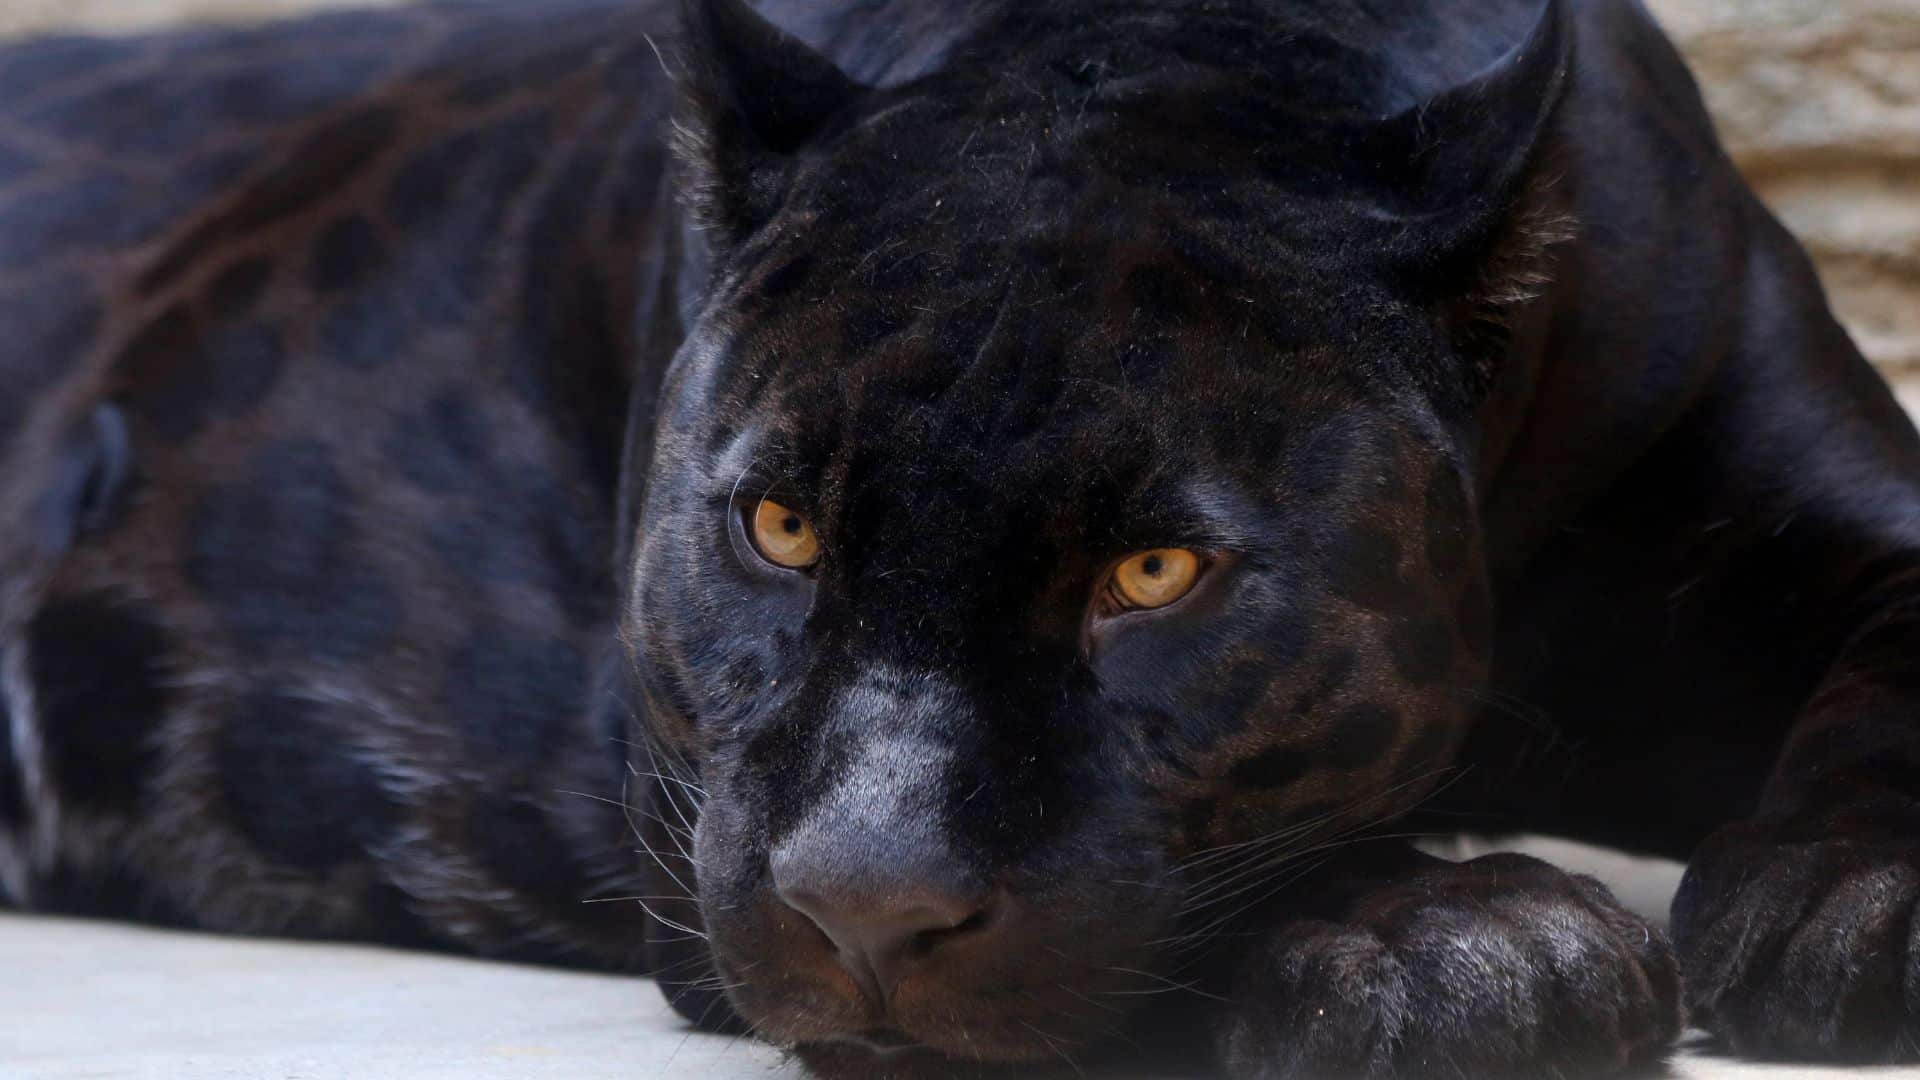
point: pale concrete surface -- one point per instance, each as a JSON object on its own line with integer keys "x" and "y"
{"x": 99, "y": 1001}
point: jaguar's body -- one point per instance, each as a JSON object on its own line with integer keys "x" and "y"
{"x": 350, "y": 249}
{"x": 393, "y": 425}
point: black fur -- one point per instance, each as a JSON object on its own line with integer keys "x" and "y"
{"x": 275, "y": 554}
{"x": 1537, "y": 488}
{"x": 296, "y": 787}
{"x": 13, "y": 796}
{"x": 100, "y": 680}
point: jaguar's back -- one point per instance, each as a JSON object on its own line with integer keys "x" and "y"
{"x": 319, "y": 341}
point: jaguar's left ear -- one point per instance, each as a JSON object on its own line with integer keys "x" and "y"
{"x": 751, "y": 97}
{"x": 1471, "y": 170}
{"x": 1466, "y": 151}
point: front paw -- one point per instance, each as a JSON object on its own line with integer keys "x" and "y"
{"x": 1499, "y": 967}
{"x": 1802, "y": 943}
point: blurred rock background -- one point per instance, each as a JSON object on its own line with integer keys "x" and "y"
{"x": 18, "y": 16}
{"x": 1818, "y": 100}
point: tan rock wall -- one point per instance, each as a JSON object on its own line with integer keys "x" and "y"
{"x": 18, "y": 16}
{"x": 1819, "y": 101}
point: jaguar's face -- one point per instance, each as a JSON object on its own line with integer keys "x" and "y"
{"x": 1040, "y": 564}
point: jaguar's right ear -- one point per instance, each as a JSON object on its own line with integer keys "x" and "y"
{"x": 751, "y": 97}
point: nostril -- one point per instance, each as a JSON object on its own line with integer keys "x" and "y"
{"x": 811, "y": 907}
{"x": 976, "y": 921}
{"x": 935, "y": 935}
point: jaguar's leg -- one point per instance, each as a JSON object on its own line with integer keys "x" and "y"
{"x": 1410, "y": 965}
{"x": 1797, "y": 928}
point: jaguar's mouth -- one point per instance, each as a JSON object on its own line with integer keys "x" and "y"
{"x": 894, "y": 1055}
{"x": 946, "y": 1024}
{"x": 876, "y": 1052}
{"x": 885, "y": 1042}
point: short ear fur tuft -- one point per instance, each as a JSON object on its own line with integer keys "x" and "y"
{"x": 751, "y": 95}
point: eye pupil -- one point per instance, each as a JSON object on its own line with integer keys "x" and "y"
{"x": 791, "y": 525}
{"x": 1151, "y": 566}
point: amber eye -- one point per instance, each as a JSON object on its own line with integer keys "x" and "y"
{"x": 1154, "y": 579}
{"x": 783, "y": 537}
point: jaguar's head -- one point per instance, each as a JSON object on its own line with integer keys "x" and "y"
{"x": 1060, "y": 524}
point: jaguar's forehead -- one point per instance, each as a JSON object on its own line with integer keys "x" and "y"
{"x": 1037, "y": 195}
{"x": 1067, "y": 142}
{"x": 934, "y": 367}
{"x": 1030, "y": 283}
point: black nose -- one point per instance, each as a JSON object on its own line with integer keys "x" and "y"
{"x": 882, "y": 932}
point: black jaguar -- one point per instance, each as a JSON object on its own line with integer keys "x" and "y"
{"x": 1021, "y": 510}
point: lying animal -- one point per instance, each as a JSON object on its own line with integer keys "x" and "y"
{"x": 1024, "y": 519}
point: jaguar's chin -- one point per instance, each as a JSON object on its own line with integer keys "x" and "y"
{"x": 1017, "y": 1044}
{"x": 851, "y": 1059}
{"x": 991, "y": 1031}
{"x": 1027, "y": 1050}
{"x": 933, "y": 1026}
